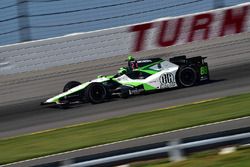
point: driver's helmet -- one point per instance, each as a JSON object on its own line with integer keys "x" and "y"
{"x": 122, "y": 70}
{"x": 131, "y": 58}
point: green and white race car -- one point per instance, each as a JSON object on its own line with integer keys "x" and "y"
{"x": 140, "y": 76}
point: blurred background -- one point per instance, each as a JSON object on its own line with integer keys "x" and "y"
{"x": 27, "y": 20}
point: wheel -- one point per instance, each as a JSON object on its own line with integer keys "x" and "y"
{"x": 71, "y": 85}
{"x": 96, "y": 93}
{"x": 187, "y": 76}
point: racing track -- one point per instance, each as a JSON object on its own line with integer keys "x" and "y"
{"x": 23, "y": 114}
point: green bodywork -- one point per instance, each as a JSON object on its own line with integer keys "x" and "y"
{"x": 146, "y": 87}
{"x": 55, "y": 99}
{"x": 146, "y": 69}
{"x": 136, "y": 74}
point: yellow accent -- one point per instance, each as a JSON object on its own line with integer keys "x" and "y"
{"x": 204, "y": 101}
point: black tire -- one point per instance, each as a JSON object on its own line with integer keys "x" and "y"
{"x": 96, "y": 93}
{"x": 187, "y": 76}
{"x": 71, "y": 85}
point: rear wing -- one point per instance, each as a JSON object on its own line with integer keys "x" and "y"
{"x": 182, "y": 60}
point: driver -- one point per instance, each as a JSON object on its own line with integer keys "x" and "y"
{"x": 132, "y": 64}
{"x": 129, "y": 69}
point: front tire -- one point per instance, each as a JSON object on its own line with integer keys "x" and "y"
{"x": 187, "y": 76}
{"x": 71, "y": 85}
{"x": 96, "y": 93}
{"x": 66, "y": 101}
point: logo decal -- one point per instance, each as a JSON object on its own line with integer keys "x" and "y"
{"x": 167, "y": 80}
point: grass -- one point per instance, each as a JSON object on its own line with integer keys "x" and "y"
{"x": 240, "y": 158}
{"x": 116, "y": 129}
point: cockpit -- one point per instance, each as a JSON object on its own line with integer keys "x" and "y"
{"x": 141, "y": 69}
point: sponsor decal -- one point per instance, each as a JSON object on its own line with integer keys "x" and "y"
{"x": 144, "y": 61}
{"x": 136, "y": 91}
{"x": 186, "y": 29}
{"x": 167, "y": 80}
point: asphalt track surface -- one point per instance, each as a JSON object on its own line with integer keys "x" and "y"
{"x": 27, "y": 116}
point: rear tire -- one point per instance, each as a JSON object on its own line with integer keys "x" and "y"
{"x": 96, "y": 93}
{"x": 187, "y": 76}
{"x": 71, "y": 85}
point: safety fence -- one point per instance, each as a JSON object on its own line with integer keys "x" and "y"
{"x": 174, "y": 149}
{"x": 26, "y": 20}
{"x": 161, "y": 33}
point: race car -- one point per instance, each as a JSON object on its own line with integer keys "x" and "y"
{"x": 139, "y": 77}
